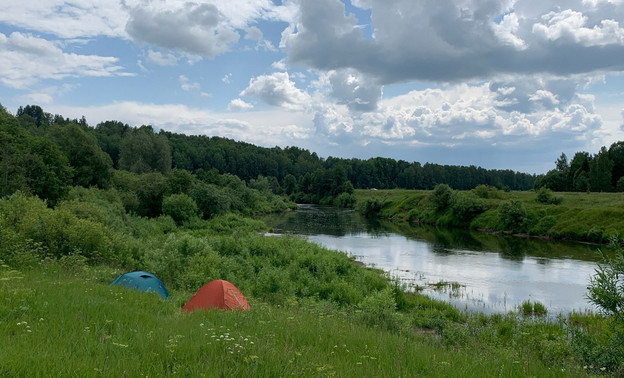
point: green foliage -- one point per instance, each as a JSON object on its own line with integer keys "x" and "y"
{"x": 210, "y": 199}
{"x": 90, "y": 165}
{"x": 180, "y": 207}
{"x": 545, "y": 195}
{"x": 512, "y": 215}
{"x": 143, "y": 151}
{"x": 370, "y": 207}
{"x": 620, "y": 184}
{"x": 379, "y": 310}
{"x": 606, "y": 286}
{"x": 486, "y": 191}
{"x": 30, "y": 164}
{"x": 466, "y": 205}
{"x": 346, "y": 200}
{"x": 441, "y": 196}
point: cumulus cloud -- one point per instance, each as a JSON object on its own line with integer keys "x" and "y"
{"x": 26, "y": 60}
{"x": 351, "y": 88}
{"x": 458, "y": 41}
{"x": 277, "y": 89}
{"x": 239, "y": 105}
{"x": 193, "y": 28}
{"x": 161, "y": 59}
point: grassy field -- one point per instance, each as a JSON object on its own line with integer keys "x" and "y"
{"x": 64, "y": 320}
{"x": 593, "y": 217}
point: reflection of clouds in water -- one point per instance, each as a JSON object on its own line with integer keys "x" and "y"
{"x": 492, "y": 282}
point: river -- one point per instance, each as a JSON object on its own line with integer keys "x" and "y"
{"x": 472, "y": 270}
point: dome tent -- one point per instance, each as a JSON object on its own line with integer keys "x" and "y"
{"x": 219, "y": 294}
{"x": 142, "y": 281}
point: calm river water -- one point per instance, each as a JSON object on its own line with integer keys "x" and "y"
{"x": 494, "y": 273}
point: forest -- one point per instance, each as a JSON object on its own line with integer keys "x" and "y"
{"x": 44, "y": 153}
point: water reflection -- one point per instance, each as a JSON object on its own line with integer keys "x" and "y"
{"x": 492, "y": 273}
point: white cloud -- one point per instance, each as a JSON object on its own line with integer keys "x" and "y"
{"x": 507, "y": 31}
{"x": 186, "y": 85}
{"x": 226, "y": 78}
{"x": 570, "y": 26}
{"x": 162, "y": 59}
{"x": 239, "y": 105}
{"x": 277, "y": 89}
{"x": 26, "y": 60}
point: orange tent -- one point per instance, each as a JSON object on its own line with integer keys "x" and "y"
{"x": 218, "y": 293}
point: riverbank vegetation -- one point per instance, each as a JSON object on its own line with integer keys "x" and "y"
{"x": 591, "y": 217}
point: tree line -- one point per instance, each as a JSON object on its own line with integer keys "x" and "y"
{"x": 44, "y": 153}
{"x": 600, "y": 172}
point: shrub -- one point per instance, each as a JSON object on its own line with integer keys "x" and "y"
{"x": 606, "y": 286}
{"x": 512, "y": 215}
{"x": 467, "y": 205}
{"x": 180, "y": 207}
{"x": 486, "y": 191}
{"x": 371, "y": 207}
{"x": 620, "y": 184}
{"x": 441, "y": 195}
{"x": 344, "y": 200}
{"x": 545, "y": 195}
{"x": 379, "y": 310}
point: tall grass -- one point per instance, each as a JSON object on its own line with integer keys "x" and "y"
{"x": 67, "y": 321}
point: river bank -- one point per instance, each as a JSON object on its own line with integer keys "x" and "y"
{"x": 584, "y": 217}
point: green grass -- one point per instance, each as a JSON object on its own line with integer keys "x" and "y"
{"x": 60, "y": 322}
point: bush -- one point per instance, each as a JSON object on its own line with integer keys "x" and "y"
{"x": 486, "y": 191}
{"x": 606, "y": 286}
{"x": 180, "y": 207}
{"x": 545, "y": 195}
{"x": 371, "y": 207}
{"x": 441, "y": 195}
{"x": 345, "y": 200}
{"x": 512, "y": 215}
{"x": 379, "y": 310}
{"x": 467, "y": 205}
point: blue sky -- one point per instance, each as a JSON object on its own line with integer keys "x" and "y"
{"x": 499, "y": 84}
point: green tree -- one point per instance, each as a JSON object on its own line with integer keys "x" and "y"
{"x": 210, "y": 199}
{"x": 442, "y": 194}
{"x": 600, "y": 170}
{"x": 91, "y": 166}
{"x": 579, "y": 172}
{"x": 29, "y": 163}
{"x": 512, "y": 215}
{"x": 143, "y": 151}
{"x": 180, "y": 207}
{"x": 150, "y": 190}
{"x": 180, "y": 181}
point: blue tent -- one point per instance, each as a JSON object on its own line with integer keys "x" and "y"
{"x": 142, "y": 281}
